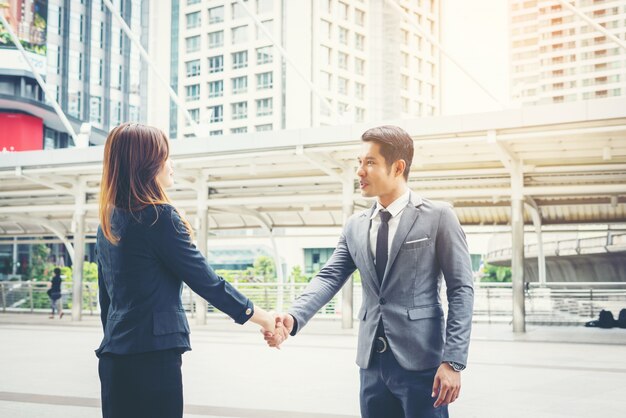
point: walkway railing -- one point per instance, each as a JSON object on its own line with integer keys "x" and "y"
{"x": 558, "y": 303}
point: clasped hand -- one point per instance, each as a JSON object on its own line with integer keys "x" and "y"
{"x": 283, "y": 325}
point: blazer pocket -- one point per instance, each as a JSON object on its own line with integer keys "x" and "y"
{"x": 417, "y": 243}
{"x": 170, "y": 323}
{"x": 423, "y": 312}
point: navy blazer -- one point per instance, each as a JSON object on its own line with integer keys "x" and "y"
{"x": 140, "y": 283}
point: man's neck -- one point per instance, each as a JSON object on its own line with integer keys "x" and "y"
{"x": 389, "y": 198}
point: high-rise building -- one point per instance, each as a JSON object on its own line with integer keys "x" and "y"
{"x": 93, "y": 69}
{"x": 364, "y": 57}
{"x": 558, "y": 57}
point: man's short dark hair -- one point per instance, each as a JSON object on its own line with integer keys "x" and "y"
{"x": 57, "y": 271}
{"x": 395, "y": 144}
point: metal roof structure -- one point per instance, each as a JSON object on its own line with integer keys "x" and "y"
{"x": 573, "y": 158}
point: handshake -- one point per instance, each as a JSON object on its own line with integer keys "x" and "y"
{"x": 277, "y": 328}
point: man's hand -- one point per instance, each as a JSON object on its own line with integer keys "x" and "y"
{"x": 284, "y": 326}
{"x": 447, "y": 385}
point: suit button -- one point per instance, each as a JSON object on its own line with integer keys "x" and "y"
{"x": 248, "y": 311}
{"x": 382, "y": 301}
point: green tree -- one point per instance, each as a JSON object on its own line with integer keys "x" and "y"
{"x": 297, "y": 276}
{"x": 264, "y": 267}
{"x": 496, "y": 274}
{"x": 39, "y": 269}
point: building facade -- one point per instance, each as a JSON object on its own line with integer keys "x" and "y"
{"x": 368, "y": 62}
{"x": 90, "y": 65}
{"x": 558, "y": 57}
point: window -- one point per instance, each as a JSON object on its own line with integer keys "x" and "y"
{"x": 325, "y": 80}
{"x": 216, "y": 39}
{"x": 342, "y": 85}
{"x": 343, "y": 10}
{"x": 216, "y": 113}
{"x": 359, "y": 41}
{"x": 343, "y": 61}
{"x": 267, "y": 24}
{"x": 238, "y": 11}
{"x": 240, "y": 59}
{"x": 359, "y": 90}
{"x": 326, "y": 29}
{"x": 240, "y": 84}
{"x": 360, "y": 115}
{"x": 264, "y": 6}
{"x": 342, "y": 107}
{"x": 264, "y": 55}
{"x": 216, "y": 88}
{"x": 239, "y": 34}
{"x": 265, "y": 127}
{"x": 216, "y": 64}
{"x": 343, "y": 35}
{"x": 239, "y": 110}
{"x": 264, "y": 81}
{"x": 191, "y": 2}
{"x": 404, "y": 79}
{"x": 359, "y": 66}
{"x": 325, "y": 55}
{"x": 264, "y": 107}
{"x": 216, "y": 132}
{"x": 193, "y": 20}
{"x": 216, "y": 14}
{"x": 95, "y": 109}
{"x": 192, "y": 92}
{"x": 241, "y": 130}
{"x": 359, "y": 17}
{"x": 192, "y": 44}
{"x": 193, "y": 68}
{"x": 195, "y": 116}
{"x": 405, "y": 104}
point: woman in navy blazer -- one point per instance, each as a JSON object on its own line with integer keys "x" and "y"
{"x": 145, "y": 253}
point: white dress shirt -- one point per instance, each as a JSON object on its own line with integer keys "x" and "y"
{"x": 396, "y": 208}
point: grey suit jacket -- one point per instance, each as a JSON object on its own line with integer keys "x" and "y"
{"x": 429, "y": 245}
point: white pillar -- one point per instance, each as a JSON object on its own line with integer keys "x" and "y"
{"x": 15, "y": 259}
{"x": 541, "y": 256}
{"x": 347, "y": 292}
{"x": 517, "y": 242}
{"x": 79, "y": 252}
{"x": 202, "y": 232}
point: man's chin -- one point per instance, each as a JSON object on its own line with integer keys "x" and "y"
{"x": 365, "y": 193}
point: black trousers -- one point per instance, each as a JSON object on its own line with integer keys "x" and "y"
{"x": 145, "y": 385}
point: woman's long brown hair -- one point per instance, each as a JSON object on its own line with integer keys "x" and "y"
{"x": 134, "y": 155}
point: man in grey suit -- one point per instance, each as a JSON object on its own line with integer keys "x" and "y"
{"x": 402, "y": 246}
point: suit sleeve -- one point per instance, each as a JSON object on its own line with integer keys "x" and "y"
{"x": 103, "y": 297}
{"x": 453, "y": 257}
{"x": 324, "y": 286}
{"x": 175, "y": 249}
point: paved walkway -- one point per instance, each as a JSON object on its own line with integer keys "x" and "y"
{"x": 48, "y": 369}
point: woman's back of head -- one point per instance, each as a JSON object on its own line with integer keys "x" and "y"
{"x": 134, "y": 155}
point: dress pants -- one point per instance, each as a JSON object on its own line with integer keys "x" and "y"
{"x": 145, "y": 385}
{"x": 389, "y": 391}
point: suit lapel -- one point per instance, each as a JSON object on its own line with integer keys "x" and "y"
{"x": 365, "y": 248}
{"x": 407, "y": 219}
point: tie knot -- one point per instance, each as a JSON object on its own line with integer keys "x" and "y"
{"x": 384, "y": 216}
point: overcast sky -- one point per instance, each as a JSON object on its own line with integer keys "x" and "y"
{"x": 476, "y": 34}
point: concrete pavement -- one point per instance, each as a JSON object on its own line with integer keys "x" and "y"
{"x": 48, "y": 369}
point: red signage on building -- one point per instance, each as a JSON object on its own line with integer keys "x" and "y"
{"x": 20, "y": 132}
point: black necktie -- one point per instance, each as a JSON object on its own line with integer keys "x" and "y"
{"x": 382, "y": 245}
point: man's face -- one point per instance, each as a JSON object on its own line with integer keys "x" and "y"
{"x": 375, "y": 178}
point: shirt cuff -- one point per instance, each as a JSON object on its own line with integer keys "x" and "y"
{"x": 294, "y": 330}
{"x": 246, "y": 314}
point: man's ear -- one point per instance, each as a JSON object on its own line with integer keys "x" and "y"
{"x": 400, "y": 165}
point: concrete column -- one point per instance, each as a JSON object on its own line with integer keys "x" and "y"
{"x": 202, "y": 235}
{"x": 541, "y": 256}
{"x": 15, "y": 258}
{"x": 517, "y": 246}
{"x": 347, "y": 292}
{"x": 79, "y": 250}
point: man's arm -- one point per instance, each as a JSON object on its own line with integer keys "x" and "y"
{"x": 323, "y": 286}
{"x": 454, "y": 259}
{"x": 318, "y": 293}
